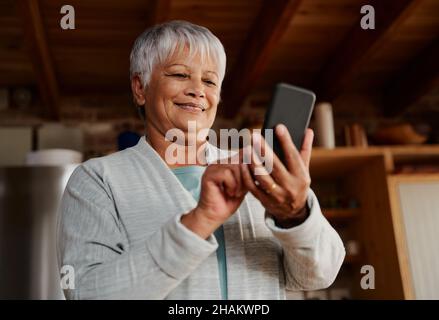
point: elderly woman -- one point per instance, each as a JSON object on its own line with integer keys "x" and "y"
{"x": 134, "y": 225}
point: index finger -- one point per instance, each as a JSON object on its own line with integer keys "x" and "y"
{"x": 305, "y": 153}
{"x": 292, "y": 157}
{"x": 276, "y": 167}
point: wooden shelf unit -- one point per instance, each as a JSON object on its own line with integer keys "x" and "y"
{"x": 362, "y": 174}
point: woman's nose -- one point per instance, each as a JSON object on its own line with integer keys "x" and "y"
{"x": 195, "y": 89}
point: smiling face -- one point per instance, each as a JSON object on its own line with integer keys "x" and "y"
{"x": 180, "y": 90}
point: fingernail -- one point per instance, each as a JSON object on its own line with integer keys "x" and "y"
{"x": 280, "y": 129}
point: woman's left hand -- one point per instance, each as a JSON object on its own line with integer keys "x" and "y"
{"x": 284, "y": 191}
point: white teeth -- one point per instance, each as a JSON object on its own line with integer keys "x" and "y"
{"x": 188, "y": 107}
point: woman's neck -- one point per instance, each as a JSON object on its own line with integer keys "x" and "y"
{"x": 158, "y": 142}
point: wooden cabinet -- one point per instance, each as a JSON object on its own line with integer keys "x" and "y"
{"x": 355, "y": 187}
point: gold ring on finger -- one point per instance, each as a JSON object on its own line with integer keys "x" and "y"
{"x": 273, "y": 186}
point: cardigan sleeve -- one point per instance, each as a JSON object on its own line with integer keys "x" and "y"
{"x": 312, "y": 251}
{"x": 90, "y": 238}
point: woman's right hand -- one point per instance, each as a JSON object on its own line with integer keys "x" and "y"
{"x": 222, "y": 191}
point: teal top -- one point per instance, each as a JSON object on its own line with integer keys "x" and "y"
{"x": 190, "y": 178}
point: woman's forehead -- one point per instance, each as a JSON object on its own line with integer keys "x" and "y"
{"x": 185, "y": 58}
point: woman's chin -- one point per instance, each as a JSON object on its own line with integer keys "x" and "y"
{"x": 187, "y": 121}
{"x": 188, "y": 116}
{"x": 190, "y": 124}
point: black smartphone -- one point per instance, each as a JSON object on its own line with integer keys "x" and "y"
{"x": 291, "y": 106}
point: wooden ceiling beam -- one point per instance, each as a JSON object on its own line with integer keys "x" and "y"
{"x": 359, "y": 45}
{"x": 269, "y": 26}
{"x": 413, "y": 82}
{"x": 40, "y": 56}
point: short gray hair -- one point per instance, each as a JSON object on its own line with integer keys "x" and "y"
{"x": 156, "y": 44}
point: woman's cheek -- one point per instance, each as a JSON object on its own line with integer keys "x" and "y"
{"x": 213, "y": 98}
{"x": 173, "y": 88}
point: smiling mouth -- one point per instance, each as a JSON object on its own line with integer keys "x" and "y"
{"x": 191, "y": 107}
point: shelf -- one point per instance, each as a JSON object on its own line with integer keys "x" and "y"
{"x": 337, "y": 162}
{"x": 340, "y": 214}
{"x": 340, "y": 161}
{"x": 398, "y": 150}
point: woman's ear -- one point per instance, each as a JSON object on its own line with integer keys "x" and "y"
{"x": 138, "y": 90}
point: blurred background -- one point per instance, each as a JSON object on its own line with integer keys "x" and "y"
{"x": 65, "y": 97}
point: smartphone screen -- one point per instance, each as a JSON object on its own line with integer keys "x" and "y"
{"x": 291, "y": 106}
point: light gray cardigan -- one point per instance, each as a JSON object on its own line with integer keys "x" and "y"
{"x": 119, "y": 228}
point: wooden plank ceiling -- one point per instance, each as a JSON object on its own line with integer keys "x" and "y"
{"x": 312, "y": 43}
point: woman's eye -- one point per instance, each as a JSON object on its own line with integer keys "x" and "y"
{"x": 180, "y": 75}
{"x": 210, "y": 82}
